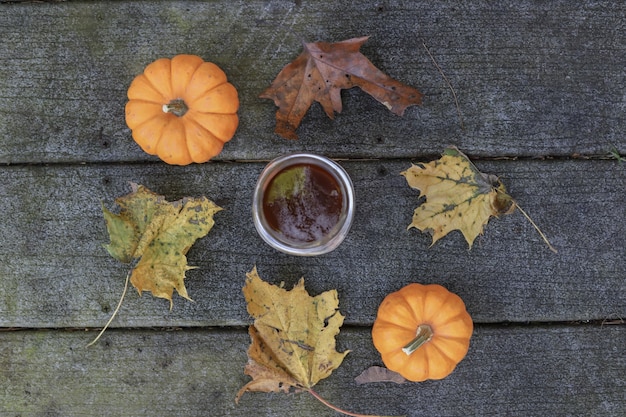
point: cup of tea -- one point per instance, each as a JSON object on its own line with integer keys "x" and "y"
{"x": 303, "y": 204}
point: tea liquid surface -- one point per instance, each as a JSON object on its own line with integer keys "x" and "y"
{"x": 303, "y": 202}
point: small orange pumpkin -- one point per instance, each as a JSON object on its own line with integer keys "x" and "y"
{"x": 422, "y": 331}
{"x": 182, "y": 109}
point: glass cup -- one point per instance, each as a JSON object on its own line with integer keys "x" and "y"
{"x": 303, "y": 204}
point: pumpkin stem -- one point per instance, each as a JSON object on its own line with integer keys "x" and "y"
{"x": 177, "y": 107}
{"x": 423, "y": 335}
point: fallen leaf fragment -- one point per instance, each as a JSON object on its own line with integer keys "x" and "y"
{"x": 320, "y": 73}
{"x": 157, "y": 234}
{"x": 458, "y": 196}
{"x": 379, "y": 374}
{"x": 293, "y": 338}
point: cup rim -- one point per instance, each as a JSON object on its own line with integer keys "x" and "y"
{"x": 339, "y": 231}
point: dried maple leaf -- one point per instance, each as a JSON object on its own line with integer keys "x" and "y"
{"x": 157, "y": 234}
{"x": 458, "y": 196}
{"x": 320, "y": 73}
{"x": 293, "y": 338}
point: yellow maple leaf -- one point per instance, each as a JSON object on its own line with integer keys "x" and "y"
{"x": 156, "y": 234}
{"x": 293, "y": 336}
{"x": 458, "y": 196}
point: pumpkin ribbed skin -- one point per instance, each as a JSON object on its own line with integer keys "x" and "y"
{"x": 401, "y": 314}
{"x": 182, "y": 109}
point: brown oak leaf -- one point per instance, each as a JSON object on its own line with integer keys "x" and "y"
{"x": 320, "y": 73}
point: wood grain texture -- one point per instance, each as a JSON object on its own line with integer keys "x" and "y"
{"x": 540, "y": 87}
{"x": 511, "y": 371}
{"x": 532, "y": 79}
{"x": 57, "y": 274}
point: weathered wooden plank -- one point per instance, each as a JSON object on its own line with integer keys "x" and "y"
{"x": 56, "y": 274}
{"x": 532, "y": 78}
{"x": 509, "y": 371}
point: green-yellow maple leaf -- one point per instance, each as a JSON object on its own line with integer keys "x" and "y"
{"x": 157, "y": 234}
{"x": 154, "y": 236}
{"x": 458, "y": 196}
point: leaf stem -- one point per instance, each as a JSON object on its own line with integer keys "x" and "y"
{"x": 339, "y": 410}
{"x": 456, "y": 101}
{"x": 545, "y": 239}
{"x": 119, "y": 304}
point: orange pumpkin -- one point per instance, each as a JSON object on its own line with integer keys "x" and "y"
{"x": 422, "y": 331}
{"x": 182, "y": 109}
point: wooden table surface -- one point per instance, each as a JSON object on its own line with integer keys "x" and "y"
{"x": 541, "y": 90}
